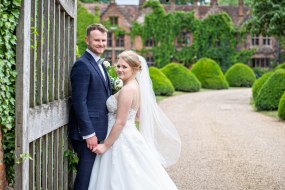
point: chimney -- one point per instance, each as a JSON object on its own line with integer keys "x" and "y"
{"x": 240, "y": 12}
{"x": 214, "y": 2}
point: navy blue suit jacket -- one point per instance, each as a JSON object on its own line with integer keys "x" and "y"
{"x": 88, "y": 112}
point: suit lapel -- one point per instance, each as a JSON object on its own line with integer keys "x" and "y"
{"x": 108, "y": 82}
{"x": 97, "y": 69}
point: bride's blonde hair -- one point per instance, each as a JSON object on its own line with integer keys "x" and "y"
{"x": 131, "y": 58}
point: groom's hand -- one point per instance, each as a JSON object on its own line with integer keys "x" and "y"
{"x": 92, "y": 142}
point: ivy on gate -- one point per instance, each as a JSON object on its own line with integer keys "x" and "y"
{"x": 9, "y": 14}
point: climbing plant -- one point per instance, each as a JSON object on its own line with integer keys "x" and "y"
{"x": 164, "y": 28}
{"x": 84, "y": 19}
{"x": 9, "y": 14}
{"x": 215, "y": 37}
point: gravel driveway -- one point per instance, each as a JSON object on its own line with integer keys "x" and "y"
{"x": 225, "y": 144}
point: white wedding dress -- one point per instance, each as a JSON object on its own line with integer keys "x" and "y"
{"x": 129, "y": 164}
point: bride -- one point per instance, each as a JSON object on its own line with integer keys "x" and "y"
{"x": 132, "y": 159}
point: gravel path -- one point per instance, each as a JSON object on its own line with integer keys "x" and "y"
{"x": 225, "y": 144}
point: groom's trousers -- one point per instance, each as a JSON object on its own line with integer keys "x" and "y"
{"x": 85, "y": 165}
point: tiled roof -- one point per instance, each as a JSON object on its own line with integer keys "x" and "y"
{"x": 132, "y": 12}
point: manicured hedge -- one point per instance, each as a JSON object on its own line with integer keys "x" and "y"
{"x": 240, "y": 75}
{"x": 160, "y": 83}
{"x": 280, "y": 66}
{"x": 210, "y": 74}
{"x": 181, "y": 77}
{"x": 259, "y": 83}
{"x": 281, "y": 107}
{"x": 270, "y": 93}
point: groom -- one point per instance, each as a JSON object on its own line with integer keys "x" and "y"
{"x": 88, "y": 120}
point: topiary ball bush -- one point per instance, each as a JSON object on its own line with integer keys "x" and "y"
{"x": 240, "y": 75}
{"x": 209, "y": 74}
{"x": 181, "y": 78}
{"x": 162, "y": 86}
{"x": 259, "y": 83}
{"x": 281, "y": 107}
{"x": 270, "y": 93}
{"x": 280, "y": 66}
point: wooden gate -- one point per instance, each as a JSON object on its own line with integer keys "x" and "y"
{"x": 45, "y": 50}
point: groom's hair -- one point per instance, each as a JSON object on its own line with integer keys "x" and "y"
{"x": 96, "y": 26}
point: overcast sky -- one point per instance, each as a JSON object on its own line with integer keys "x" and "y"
{"x": 127, "y": 2}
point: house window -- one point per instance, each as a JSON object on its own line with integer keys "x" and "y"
{"x": 184, "y": 38}
{"x": 149, "y": 42}
{"x": 114, "y": 20}
{"x": 261, "y": 62}
{"x": 149, "y": 60}
{"x": 109, "y": 39}
{"x": 108, "y": 55}
{"x": 118, "y": 52}
{"x": 120, "y": 41}
{"x": 255, "y": 41}
{"x": 266, "y": 41}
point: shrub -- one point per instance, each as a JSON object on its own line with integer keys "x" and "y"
{"x": 281, "y": 107}
{"x": 271, "y": 92}
{"x": 259, "y": 83}
{"x": 181, "y": 78}
{"x": 210, "y": 74}
{"x": 240, "y": 75}
{"x": 260, "y": 71}
{"x": 280, "y": 66}
{"x": 160, "y": 83}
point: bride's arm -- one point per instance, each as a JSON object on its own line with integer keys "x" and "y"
{"x": 125, "y": 99}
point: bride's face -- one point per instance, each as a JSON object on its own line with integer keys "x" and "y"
{"x": 124, "y": 70}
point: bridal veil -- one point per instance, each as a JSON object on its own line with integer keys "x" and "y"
{"x": 158, "y": 131}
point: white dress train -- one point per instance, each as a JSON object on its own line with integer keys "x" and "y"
{"x": 129, "y": 164}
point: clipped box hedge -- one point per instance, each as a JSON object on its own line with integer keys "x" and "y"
{"x": 259, "y": 83}
{"x": 270, "y": 93}
{"x": 210, "y": 74}
{"x": 181, "y": 77}
{"x": 240, "y": 75}
{"x": 281, "y": 107}
{"x": 162, "y": 86}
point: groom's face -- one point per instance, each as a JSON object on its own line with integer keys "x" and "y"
{"x": 97, "y": 42}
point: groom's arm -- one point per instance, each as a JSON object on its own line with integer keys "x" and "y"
{"x": 80, "y": 76}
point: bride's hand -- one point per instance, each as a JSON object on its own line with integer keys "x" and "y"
{"x": 100, "y": 149}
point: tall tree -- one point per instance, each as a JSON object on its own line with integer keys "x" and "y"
{"x": 267, "y": 17}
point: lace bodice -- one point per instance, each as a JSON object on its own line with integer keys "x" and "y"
{"x": 112, "y": 106}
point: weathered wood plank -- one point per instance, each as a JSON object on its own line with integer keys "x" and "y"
{"x": 32, "y": 167}
{"x": 60, "y": 158}
{"x": 62, "y": 53}
{"x": 65, "y": 161}
{"x": 50, "y": 161}
{"x": 55, "y": 159}
{"x": 51, "y": 49}
{"x": 67, "y": 57}
{"x": 44, "y": 161}
{"x": 39, "y": 51}
{"x": 22, "y": 94}
{"x": 38, "y": 164}
{"x": 68, "y": 7}
{"x": 33, "y": 52}
{"x": 46, "y": 118}
{"x": 46, "y": 14}
{"x": 57, "y": 51}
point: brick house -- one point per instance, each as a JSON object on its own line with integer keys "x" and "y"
{"x": 124, "y": 15}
